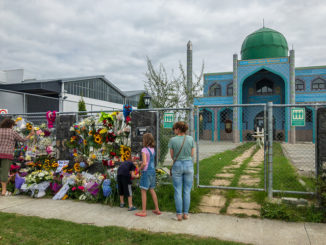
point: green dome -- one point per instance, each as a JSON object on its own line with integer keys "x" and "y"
{"x": 264, "y": 43}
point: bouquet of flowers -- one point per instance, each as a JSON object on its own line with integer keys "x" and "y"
{"x": 37, "y": 177}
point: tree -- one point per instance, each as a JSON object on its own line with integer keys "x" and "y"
{"x": 141, "y": 102}
{"x": 82, "y": 106}
{"x": 171, "y": 92}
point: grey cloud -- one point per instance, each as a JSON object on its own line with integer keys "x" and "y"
{"x": 112, "y": 38}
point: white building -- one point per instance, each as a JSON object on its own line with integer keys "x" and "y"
{"x": 62, "y": 94}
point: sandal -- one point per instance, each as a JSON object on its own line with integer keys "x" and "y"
{"x": 176, "y": 219}
{"x": 185, "y": 216}
{"x": 132, "y": 208}
{"x": 157, "y": 212}
{"x": 7, "y": 194}
{"x": 141, "y": 214}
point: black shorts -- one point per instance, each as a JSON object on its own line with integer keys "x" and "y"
{"x": 124, "y": 186}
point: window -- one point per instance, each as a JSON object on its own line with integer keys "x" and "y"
{"x": 94, "y": 88}
{"x": 299, "y": 85}
{"x": 309, "y": 115}
{"x": 318, "y": 84}
{"x": 229, "y": 91}
{"x": 264, "y": 87}
{"x": 215, "y": 90}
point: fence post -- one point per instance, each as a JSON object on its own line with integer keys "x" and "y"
{"x": 314, "y": 137}
{"x": 265, "y": 148}
{"x": 197, "y": 144}
{"x": 270, "y": 149}
{"x": 24, "y": 103}
{"x": 191, "y": 120}
{"x": 157, "y": 137}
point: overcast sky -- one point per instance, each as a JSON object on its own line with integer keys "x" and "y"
{"x": 60, "y": 38}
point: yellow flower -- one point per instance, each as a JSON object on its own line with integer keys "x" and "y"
{"x": 55, "y": 165}
{"x": 77, "y": 131}
{"x": 90, "y": 132}
{"x": 98, "y": 139}
{"x": 114, "y": 113}
{"x": 85, "y": 142}
{"x": 77, "y": 167}
{"x": 29, "y": 126}
{"x": 18, "y": 119}
{"x": 103, "y": 131}
{"x": 65, "y": 197}
{"x": 93, "y": 156}
{"x": 75, "y": 154}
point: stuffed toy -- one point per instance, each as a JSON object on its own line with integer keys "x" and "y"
{"x": 50, "y": 116}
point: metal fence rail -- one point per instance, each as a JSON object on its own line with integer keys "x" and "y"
{"x": 288, "y": 156}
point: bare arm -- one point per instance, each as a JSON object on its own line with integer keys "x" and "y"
{"x": 192, "y": 152}
{"x": 171, "y": 153}
{"x": 17, "y": 137}
{"x": 133, "y": 175}
{"x": 143, "y": 164}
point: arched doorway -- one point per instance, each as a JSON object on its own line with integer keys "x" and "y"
{"x": 262, "y": 87}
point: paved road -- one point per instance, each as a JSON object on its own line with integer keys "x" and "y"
{"x": 247, "y": 230}
{"x": 208, "y": 148}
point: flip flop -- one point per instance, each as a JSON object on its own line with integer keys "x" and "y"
{"x": 176, "y": 219}
{"x": 141, "y": 214}
{"x": 157, "y": 212}
{"x": 7, "y": 194}
{"x": 185, "y": 217}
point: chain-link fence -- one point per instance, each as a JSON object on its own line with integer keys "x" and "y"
{"x": 294, "y": 154}
{"x": 166, "y": 119}
{"x": 232, "y": 143}
{"x": 231, "y": 146}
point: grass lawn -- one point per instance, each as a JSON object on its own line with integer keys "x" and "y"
{"x": 23, "y": 230}
{"x": 209, "y": 167}
{"x": 284, "y": 175}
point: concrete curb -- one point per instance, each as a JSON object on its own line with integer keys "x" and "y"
{"x": 247, "y": 230}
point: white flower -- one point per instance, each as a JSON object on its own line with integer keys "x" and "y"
{"x": 127, "y": 129}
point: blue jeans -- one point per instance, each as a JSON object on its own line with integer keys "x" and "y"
{"x": 182, "y": 176}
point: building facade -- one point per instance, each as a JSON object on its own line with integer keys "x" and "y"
{"x": 64, "y": 94}
{"x": 265, "y": 73}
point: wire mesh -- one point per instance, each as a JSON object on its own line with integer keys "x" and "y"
{"x": 294, "y": 136}
{"x": 231, "y": 143}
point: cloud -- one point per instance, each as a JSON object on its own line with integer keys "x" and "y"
{"x": 52, "y": 39}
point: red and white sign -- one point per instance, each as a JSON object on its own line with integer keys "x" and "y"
{"x": 3, "y": 111}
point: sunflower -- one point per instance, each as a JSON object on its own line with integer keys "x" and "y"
{"x": 29, "y": 126}
{"x": 85, "y": 142}
{"x": 77, "y": 167}
{"x": 127, "y": 155}
{"x": 46, "y": 164}
{"x": 90, "y": 133}
{"x": 55, "y": 165}
{"x": 98, "y": 139}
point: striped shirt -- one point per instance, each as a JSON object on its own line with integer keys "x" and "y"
{"x": 7, "y": 142}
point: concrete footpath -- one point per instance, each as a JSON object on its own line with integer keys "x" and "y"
{"x": 246, "y": 230}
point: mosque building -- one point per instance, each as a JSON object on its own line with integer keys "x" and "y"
{"x": 265, "y": 73}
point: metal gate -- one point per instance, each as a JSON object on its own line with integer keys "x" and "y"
{"x": 231, "y": 146}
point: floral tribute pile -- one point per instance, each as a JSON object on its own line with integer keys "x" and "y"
{"x": 102, "y": 140}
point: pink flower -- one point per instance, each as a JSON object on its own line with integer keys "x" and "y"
{"x": 73, "y": 189}
{"x": 81, "y": 188}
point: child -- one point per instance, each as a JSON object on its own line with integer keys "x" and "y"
{"x": 126, "y": 171}
{"x": 148, "y": 178}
